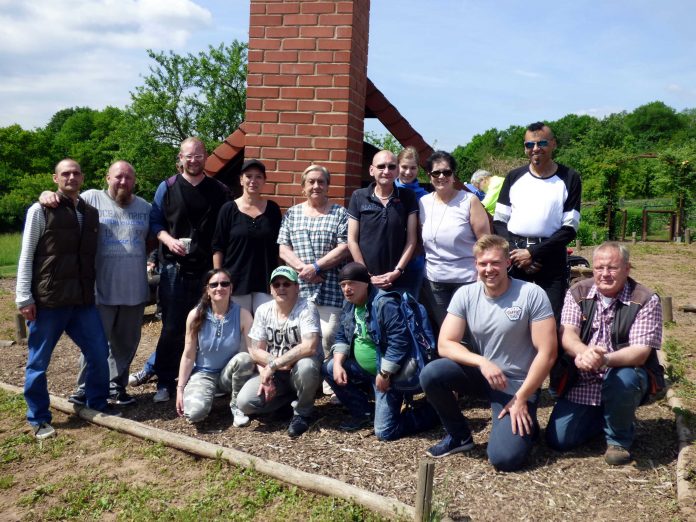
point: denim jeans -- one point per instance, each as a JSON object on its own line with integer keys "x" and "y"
{"x": 573, "y": 424}
{"x": 179, "y": 293}
{"x": 298, "y": 386}
{"x": 390, "y": 422}
{"x": 84, "y": 327}
{"x": 506, "y": 451}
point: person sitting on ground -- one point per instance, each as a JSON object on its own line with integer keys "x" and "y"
{"x": 286, "y": 346}
{"x": 513, "y": 329}
{"x": 214, "y": 359}
{"x": 614, "y": 347}
{"x": 365, "y": 361}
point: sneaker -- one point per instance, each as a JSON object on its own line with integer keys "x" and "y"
{"x": 356, "y": 423}
{"x": 111, "y": 411}
{"x": 162, "y": 395}
{"x": 140, "y": 378}
{"x": 121, "y": 398}
{"x": 334, "y": 400}
{"x": 298, "y": 425}
{"x": 617, "y": 456}
{"x": 450, "y": 445}
{"x": 240, "y": 420}
{"x": 326, "y": 389}
{"x": 79, "y": 397}
{"x": 44, "y": 431}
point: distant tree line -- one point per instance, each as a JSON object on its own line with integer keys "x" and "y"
{"x": 647, "y": 153}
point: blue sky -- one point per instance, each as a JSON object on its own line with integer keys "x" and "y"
{"x": 454, "y": 68}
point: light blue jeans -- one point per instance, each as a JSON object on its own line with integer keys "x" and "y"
{"x": 572, "y": 424}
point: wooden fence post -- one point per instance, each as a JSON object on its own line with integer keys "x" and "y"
{"x": 633, "y": 238}
{"x": 687, "y": 236}
{"x": 578, "y": 244}
{"x": 667, "y": 316}
{"x": 424, "y": 494}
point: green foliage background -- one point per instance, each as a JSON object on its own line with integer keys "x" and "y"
{"x": 640, "y": 155}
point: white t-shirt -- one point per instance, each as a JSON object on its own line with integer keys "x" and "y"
{"x": 281, "y": 336}
{"x": 448, "y": 239}
{"x": 537, "y": 205}
{"x": 500, "y": 326}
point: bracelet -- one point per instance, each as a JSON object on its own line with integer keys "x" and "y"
{"x": 316, "y": 267}
{"x": 401, "y": 270}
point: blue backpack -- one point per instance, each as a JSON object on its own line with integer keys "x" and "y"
{"x": 423, "y": 345}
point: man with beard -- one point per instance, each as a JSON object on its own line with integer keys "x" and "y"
{"x": 185, "y": 207}
{"x": 124, "y": 221}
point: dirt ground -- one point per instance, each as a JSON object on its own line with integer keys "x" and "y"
{"x": 553, "y": 486}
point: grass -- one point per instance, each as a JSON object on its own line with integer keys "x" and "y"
{"x": 10, "y": 245}
{"x": 185, "y": 489}
{"x": 678, "y": 366}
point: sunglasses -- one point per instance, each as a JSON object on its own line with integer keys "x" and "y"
{"x": 382, "y": 166}
{"x": 541, "y": 143}
{"x": 223, "y": 284}
{"x": 443, "y": 172}
{"x": 284, "y": 284}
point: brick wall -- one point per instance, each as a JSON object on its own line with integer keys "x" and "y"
{"x": 306, "y": 92}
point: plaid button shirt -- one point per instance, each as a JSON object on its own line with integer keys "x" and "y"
{"x": 645, "y": 331}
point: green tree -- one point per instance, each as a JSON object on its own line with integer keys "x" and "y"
{"x": 200, "y": 95}
{"x": 654, "y": 122}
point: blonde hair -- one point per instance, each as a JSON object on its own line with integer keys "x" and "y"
{"x": 312, "y": 168}
{"x": 489, "y": 242}
{"x": 409, "y": 153}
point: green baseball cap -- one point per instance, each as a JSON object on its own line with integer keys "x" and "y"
{"x": 286, "y": 272}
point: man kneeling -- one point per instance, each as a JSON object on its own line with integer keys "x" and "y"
{"x": 611, "y": 326}
{"x": 360, "y": 362}
{"x": 512, "y": 327}
{"x": 286, "y": 347}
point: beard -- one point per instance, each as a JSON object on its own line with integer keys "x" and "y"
{"x": 122, "y": 196}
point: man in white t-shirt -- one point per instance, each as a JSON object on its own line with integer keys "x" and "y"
{"x": 512, "y": 327}
{"x": 286, "y": 347}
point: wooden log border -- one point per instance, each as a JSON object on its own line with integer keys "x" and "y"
{"x": 385, "y": 506}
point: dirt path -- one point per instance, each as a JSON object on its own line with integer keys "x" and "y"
{"x": 552, "y": 487}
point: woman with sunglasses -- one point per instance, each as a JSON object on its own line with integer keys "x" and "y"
{"x": 245, "y": 238}
{"x": 313, "y": 240}
{"x": 451, "y": 221}
{"x": 215, "y": 358}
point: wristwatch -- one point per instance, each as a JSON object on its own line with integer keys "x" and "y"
{"x": 385, "y": 374}
{"x": 401, "y": 270}
{"x": 272, "y": 365}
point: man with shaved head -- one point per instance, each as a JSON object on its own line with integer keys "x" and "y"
{"x": 55, "y": 294}
{"x": 121, "y": 274}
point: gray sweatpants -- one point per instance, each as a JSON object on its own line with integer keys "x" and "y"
{"x": 201, "y": 387}
{"x": 122, "y": 326}
{"x": 298, "y": 386}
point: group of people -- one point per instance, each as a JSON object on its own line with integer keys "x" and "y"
{"x": 235, "y": 321}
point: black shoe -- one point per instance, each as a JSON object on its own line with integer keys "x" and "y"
{"x": 111, "y": 411}
{"x": 79, "y": 397}
{"x": 356, "y": 423}
{"x": 298, "y": 425}
{"x": 121, "y": 398}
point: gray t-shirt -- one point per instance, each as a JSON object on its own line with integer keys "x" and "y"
{"x": 121, "y": 261}
{"x": 500, "y": 326}
{"x": 280, "y": 336}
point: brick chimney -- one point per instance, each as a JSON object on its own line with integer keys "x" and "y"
{"x": 306, "y": 88}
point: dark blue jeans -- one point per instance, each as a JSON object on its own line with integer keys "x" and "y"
{"x": 506, "y": 451}
{"x": 179, "y": 293}
{"x": 390, "y": 422}
{"x": 84, "y": 326}
{"x": 572, "y": 424}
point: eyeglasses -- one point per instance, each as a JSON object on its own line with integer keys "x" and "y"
{"x": 382, "y": 166}
{"x": 443, "y": 172}
{"x": 284, "y": 284}
{"x": 541, "y": 143}
{"x": 223, "y": 284}
{"x": 197, "y": 157}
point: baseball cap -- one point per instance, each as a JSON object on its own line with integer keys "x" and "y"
{"x": 286, "y": 272}
{"x": 253, "y": 163}
{"x": 354, "y": 272}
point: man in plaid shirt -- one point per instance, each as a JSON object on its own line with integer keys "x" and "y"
{"x": 612, "y": 380}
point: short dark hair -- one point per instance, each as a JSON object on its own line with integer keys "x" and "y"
{"x": 539, "y": 126}
{"x": 441, "y": 155}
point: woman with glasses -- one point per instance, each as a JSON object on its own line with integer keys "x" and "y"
{"x": 215, "y": 358}
{"x": 313, "y": 240}
{"x": 451, "y": 221}
{"x": 245, "y": 238}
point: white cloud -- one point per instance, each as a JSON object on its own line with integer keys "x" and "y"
{"x": 527, "y": 74}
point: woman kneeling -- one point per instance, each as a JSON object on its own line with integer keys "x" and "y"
{"x": 215, "y": 358}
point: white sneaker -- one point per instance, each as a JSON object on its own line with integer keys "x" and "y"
{"x": 326, "y": 389}
{"x": 240, "y": 420}
{"x": 162, "y": 395}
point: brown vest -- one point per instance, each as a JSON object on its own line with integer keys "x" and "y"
{"x": 63, "y": 271}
